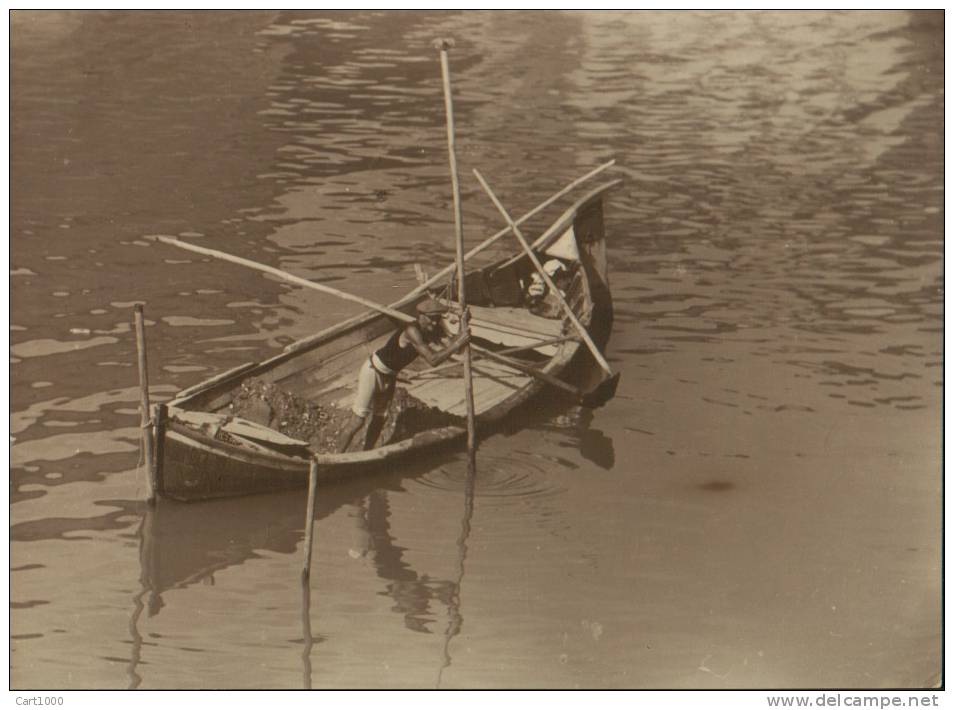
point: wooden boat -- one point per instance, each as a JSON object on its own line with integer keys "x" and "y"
{"x": 193, "y": 463}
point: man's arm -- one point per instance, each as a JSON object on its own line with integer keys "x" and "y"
{"x": 434, "y": 357}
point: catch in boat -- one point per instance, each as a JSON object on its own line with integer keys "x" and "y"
{"x": 260, "y": 427}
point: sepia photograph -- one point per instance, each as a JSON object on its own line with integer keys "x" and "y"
{"x": 477, "y": 350}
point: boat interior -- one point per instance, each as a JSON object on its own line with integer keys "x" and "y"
{"x": 323, "y": 369}
{"x": 500, "y": 321}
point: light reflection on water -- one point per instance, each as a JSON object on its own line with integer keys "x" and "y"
{"x": 775, "y": 252}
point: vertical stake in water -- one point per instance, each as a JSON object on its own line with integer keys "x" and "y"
{"x": 310, "y": 517}
{"x": 147, "y": 436}
{"x": 443, "y": 45}
{"x": 306, "y": 575}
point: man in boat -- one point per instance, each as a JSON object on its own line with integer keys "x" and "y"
{"x": 378, "y": 375}
{"x": 540, "y": 301}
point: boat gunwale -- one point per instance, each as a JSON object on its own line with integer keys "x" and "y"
{"x": 199, "y": 440}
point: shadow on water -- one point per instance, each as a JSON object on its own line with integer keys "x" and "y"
{"x": 308, "y": 640}
{"x": 186, "y": 544}
{"x": 412, "y": 592}
{"x": 182, "y": 544}
{"x": 456, "y": 620}
{"x": 554, "y": 411}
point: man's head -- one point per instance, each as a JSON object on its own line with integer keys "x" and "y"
{"x": 537, "y": 288}
{"x": 429, "y": 312}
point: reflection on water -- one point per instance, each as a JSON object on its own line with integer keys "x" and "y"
{"x": 776, "y": 273}
{"x": 307, "y": 637}
{"x": 184, "y": 545}
{"x": 455, "y": 620}
{"x": 411, "y": 592}
{"x": 500, "y": 477}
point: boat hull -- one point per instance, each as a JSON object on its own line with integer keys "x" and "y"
{"x": 196, "y": 467}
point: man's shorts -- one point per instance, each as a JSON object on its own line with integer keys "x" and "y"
{"x": 374, "y": 391}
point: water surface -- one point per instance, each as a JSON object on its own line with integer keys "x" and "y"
{"x": 758, "y": 507}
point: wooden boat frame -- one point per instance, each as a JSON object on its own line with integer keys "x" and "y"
{"x": 191, "y": 465}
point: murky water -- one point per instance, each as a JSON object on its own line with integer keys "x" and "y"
{"x": 759, "y": 506}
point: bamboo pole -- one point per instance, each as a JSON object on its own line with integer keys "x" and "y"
{"x": 507, "y": 351}
{"x": 387, "y": 310}
{"x": 530, "y": 370}
{"x": 436, "y": 278}
{"x": 145, "y": 418}
{"x": 597, "y": 355}
{"x": 443, "y": 45}
{"x": 310, "y": 517}
{"x": 538, "y": 344}
{"x": 307, "y": 342}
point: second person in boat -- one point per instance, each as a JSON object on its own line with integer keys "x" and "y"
{"x": 378, "y": 375}
{"x": 540, "y": 299}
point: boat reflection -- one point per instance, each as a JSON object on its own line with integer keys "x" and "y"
{"x": 575, "y": 429}
{"x": 185, "y": 544}
{"x": 595, "y": 445}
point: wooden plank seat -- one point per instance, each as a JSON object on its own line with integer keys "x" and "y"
{"x": 493, "y": 383}
{"x": 511, "y": 327}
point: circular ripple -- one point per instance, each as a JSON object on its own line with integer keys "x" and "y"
{"x": 518, "y": 476}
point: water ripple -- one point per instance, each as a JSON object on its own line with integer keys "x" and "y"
{"x": 498, "y": 477}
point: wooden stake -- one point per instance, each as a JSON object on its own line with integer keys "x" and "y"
{"x": 443, "y": 45}
{"x": 160, "y": 421}
{"x": 146, "y": 419}
{"x": 597, "y": 355}
{"x": 307, "y": 637}
{"x": 310, "y": 517}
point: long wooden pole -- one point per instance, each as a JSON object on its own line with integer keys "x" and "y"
{"x": 295, "y": 279}
{"x": 529, "y": 370}
{"x": 443, "y": 45}
{"x": 145, "y": 419}
{"x": 387, "y": 310}
{"x": 439, "y": 276}
{"x": 507, "y": 351}
{"x": 597, "y": 355}
{"x": 310, "y": 517}
{"x": 341, "y": 294}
